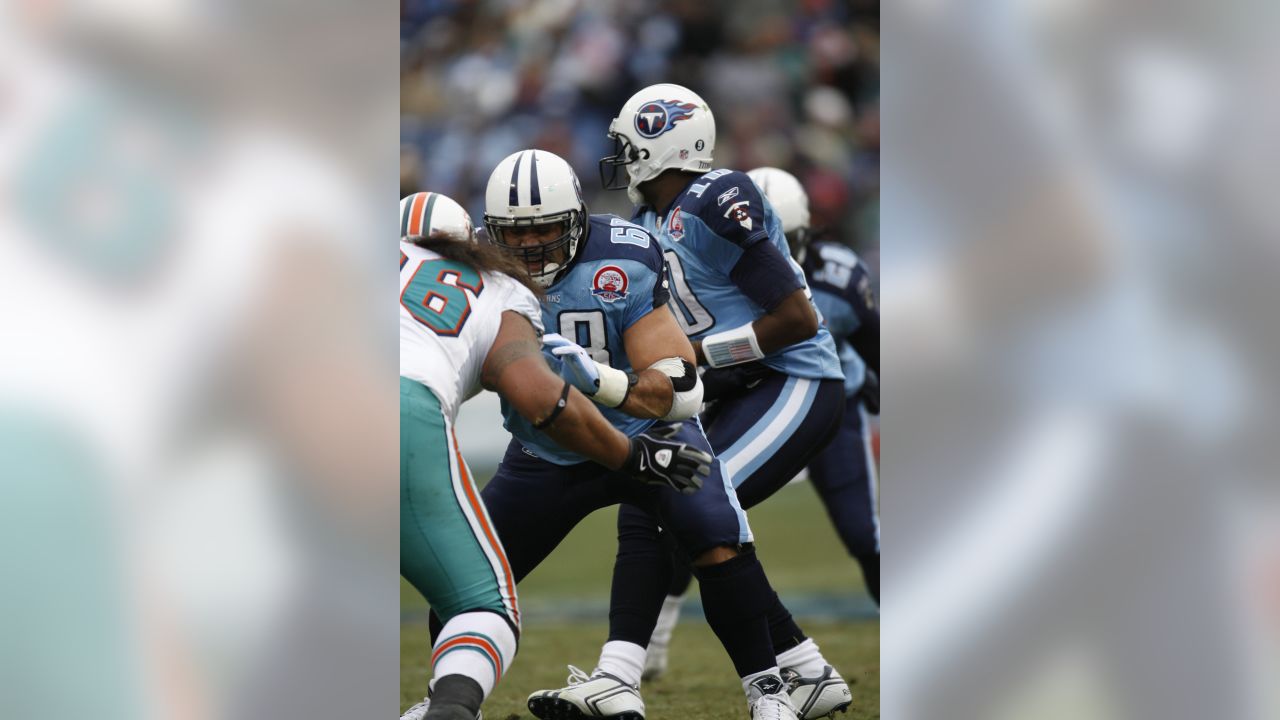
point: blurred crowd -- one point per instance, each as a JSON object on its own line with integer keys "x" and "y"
{"x": 792, "y": 85}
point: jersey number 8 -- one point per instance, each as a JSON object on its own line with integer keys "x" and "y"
{"x": 435, "y": 296}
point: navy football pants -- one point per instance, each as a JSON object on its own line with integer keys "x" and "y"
{"x": 844, "y": 475}
{"x": 534, "y": 504}
{"x": 764, "y": 437}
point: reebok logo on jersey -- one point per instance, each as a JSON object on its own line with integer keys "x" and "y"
{"x": 610, "y": 283}
{"x": 727, "y": 195}
{"x": 738, "y": 211}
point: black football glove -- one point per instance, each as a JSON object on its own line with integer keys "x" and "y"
{"x": 656, "y": 459}
{"x": 869, "y": 393}
{"x": 726, "y": 382}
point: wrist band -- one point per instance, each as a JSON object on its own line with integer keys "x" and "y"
{"x": 615, "y": 385}
{"x": 731, "y": 347}
{"x": 561, "y": 404}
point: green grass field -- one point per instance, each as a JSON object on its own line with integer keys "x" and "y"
{"x": 565, "y": 608}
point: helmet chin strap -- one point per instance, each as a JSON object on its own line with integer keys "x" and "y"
{"x": 654, "y": 169}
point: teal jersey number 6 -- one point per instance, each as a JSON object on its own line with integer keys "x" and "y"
{"x": 435, "y": 296}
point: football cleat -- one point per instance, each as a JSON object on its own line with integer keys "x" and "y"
{"x": 655, "y": 661}
{"x": 589, "y": 696}
{"x": 419, "y": 711}
{"x": 768, "y": 699}
{"x": 816, "y": 697}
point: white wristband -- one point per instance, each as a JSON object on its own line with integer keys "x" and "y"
{"x": 614, "y": 385}
{"x": 732, "y": 347}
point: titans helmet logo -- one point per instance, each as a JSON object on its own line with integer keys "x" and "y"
{"x": 659, "y": 116}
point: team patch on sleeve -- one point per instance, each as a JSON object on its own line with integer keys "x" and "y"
{"x": 740, "y": 213}
{"x": 610, "y": 283}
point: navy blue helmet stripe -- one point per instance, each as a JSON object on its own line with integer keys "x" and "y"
{"x": 536, "y": 197}
{"x": 515, "y": 178}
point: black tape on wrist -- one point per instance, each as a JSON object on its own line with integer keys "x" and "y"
{"x": 561, "y": 404}
{"x": 632, "y": 380}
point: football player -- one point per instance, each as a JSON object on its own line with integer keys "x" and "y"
{"x": 772, "y": 368}
{"x": 606, "y": 294}
{"x": 467, "y": 322}
{"x": 844, "y": 473}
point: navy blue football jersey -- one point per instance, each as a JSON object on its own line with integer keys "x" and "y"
{"x": 718, "y": 219}
{"x": 617, "y": 278}
{"x": 841, "y": 286}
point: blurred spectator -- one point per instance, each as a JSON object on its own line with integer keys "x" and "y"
{"x": 793, "y": 84}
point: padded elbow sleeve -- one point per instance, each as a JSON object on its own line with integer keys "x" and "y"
{"x": 686, "y": 387}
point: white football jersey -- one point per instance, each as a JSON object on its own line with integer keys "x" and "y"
{"x": 449, "y": 318}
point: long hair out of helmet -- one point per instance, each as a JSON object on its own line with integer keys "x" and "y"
{"x": 535, "y": 188}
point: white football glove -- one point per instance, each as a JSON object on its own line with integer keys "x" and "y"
{"x": 578, "y": 367}
{"x": 601, "y": 383}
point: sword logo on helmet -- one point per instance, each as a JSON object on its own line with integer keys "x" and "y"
{"x": 659, "y": 116}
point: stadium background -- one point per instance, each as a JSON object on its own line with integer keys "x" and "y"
{"x": 792, "y": 85}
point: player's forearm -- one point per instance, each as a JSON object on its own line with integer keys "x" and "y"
{"x": 517, "y": 371}
{"x": 651, "y": 396}
{"x": 582, "y": 429}
{"x": 793, "y": 320}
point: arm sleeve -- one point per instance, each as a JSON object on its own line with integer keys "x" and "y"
{"x": 764, "y": 275}
{"x": 866, "y": 338}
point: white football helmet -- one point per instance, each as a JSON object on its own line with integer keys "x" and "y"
{"x": 529, "y": 191}
{"x": 662, "y": 127}
{"x": 430, "y": 214}
{"x": 789, "y": 201}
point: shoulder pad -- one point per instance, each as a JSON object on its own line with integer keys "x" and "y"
{"x": 730, "y": 205}
{"x": 609, "y": 237}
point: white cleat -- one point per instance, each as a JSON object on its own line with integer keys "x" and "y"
{"x": 655, "y": 662}
{"x": 419, "y": 711}
{"x": 768, "y": 699}
{"x": 817, "y": 697}
{"x": 589, "y": 696}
